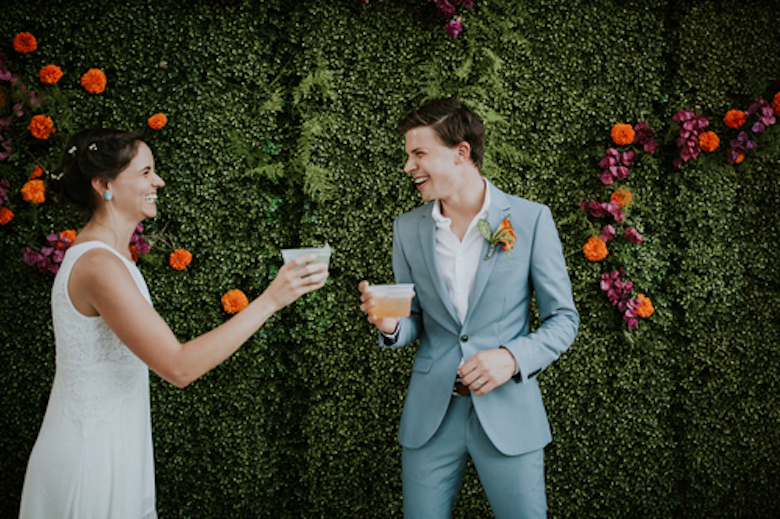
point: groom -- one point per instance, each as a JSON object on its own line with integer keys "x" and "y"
{"x": 473, "y": 390}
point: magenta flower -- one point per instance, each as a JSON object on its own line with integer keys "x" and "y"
{"x": 5, "y": 185}
{"x": 607, "y": 233}
{"x": 643, "y": 136}
{"x": 691, "y": 126}
{"x": 633, "y": 236}
{"x": 628, "y": 157}
{"x": 453, "y": 28}
{"x": 445, "y": 8}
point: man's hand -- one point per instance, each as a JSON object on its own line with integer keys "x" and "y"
{"x": 487, "y": 370}
{"x": 386, "y": 325}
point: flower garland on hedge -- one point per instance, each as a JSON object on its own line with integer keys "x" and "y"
{"x": 693, "y": 138}
{"x": 615, "y": 167}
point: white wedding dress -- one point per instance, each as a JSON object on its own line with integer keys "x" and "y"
{"x": 93, "y": 457}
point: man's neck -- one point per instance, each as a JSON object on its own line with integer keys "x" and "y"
{"x": 464, "y": 204}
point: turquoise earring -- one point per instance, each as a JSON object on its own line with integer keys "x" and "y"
{"x": 107, "y": 195}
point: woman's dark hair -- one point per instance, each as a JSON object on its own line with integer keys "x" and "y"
{"x": 453, "y": 122}
{"x": 94, "y": 153}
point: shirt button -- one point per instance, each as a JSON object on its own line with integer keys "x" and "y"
{"x": 464, "y": 338}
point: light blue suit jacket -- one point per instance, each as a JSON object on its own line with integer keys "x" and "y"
{"x": 513, "y": 414}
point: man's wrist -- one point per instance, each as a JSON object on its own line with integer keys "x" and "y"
{"x": 516, "y": 374}
{"x": 391, "y": 338}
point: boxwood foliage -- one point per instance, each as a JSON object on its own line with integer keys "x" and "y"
{"x": 282, "y": 133}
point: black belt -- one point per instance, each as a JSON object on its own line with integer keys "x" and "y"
{"x": 459, "y": 389}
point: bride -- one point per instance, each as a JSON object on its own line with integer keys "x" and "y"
{"x": 93, "y": 456}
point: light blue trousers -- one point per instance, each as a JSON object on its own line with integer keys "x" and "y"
{"x": 433, "y": 474}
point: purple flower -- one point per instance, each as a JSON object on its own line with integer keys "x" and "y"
{"x": 620, "y": 172}
{"x": 633, "y": 236}
{"x": 5, "y": 185}
{"x": 607, "y": 233}
{"x": 650, "y": 146}
{"x": 445, "y": 8}
{"x": 607, "y": 178}
{"x": 453, "y": 28}
{"x": 35, "y": 101}
{"x": 628, "y": 157}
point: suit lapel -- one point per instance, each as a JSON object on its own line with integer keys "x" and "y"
{"x": 498, "y": 210}
{"x": 427, "y": 236}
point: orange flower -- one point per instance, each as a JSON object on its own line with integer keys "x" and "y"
{"x": 3, "y": 99}
{"x": 507, "y": 237}
{"x": 50, "y": 74}
{"x": 776, "y": 103}
{"x": 622, "y": 134}
{"x": 647, "y": 309}
{"x": 622, "y": 197}
{"x": 94, "y": 81}
{"x": 157, "y": 121}
{"x": 36, "y": 173}
{"x": 25, "y": 42}
{"x": 6, "y": 215}
{"x": 33, "y": 191}
{"x": 734, "y": 118}
{"x": 234, "y": 301}
{"x": 41, "y": 127}
{"x": 732, "y": 160}
{"x": 134, "y": 253}
{"x": 709, "y": 141}
{"x": 69, "y": 234}
{"x": 179, "y": 259}
{"x": 595, "y": 249}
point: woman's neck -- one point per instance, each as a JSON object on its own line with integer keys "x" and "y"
{"x": 116, "y": 234}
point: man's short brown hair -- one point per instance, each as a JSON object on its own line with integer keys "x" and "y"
{"x": 453, "y": 122}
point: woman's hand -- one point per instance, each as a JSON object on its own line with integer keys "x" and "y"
{"x": 295, "y": 279}
{"x": 386, "y": 325}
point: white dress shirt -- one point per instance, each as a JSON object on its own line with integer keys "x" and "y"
{"x": 459, "y": 260}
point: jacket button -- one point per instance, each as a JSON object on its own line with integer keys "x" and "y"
{"x": 464, "y": 338}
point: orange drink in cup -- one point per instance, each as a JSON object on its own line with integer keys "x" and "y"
{"x": 392, "y": 300}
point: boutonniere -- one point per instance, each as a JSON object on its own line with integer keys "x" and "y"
{"x": 504, "y": 235}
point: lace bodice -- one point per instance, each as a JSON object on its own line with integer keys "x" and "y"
{"x": 95, "y": 371}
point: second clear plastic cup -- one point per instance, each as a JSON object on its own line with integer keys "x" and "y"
{"x": 321, "y": 254}
{"x": 392, "y": 300}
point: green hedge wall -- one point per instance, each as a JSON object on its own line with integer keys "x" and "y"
{"x": 281, "y": 132}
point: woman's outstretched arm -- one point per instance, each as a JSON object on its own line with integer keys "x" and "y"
{"x": 100, "y": 284}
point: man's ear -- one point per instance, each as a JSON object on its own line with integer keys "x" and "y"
{"x": 464, "y": 151}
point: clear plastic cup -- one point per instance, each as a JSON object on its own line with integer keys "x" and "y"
{"x": 321, "y": 254}
{"x": 392, "y": 300}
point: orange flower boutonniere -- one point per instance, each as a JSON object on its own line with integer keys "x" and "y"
{"x": 503, "y": 235}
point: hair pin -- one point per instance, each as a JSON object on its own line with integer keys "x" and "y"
{"x": 93, "y": 147}
{"x": 72, "y": 150}
{"x": 59, "y": 175}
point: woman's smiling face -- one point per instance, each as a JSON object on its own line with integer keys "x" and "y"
{"x": 134, "y": 190}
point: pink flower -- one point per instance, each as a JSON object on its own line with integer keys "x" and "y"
{"x": 628, "y": 157}
{"x": 454, "y": 27}
{"x": 633, "y": 236}
{"x": 607, "y": 233}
